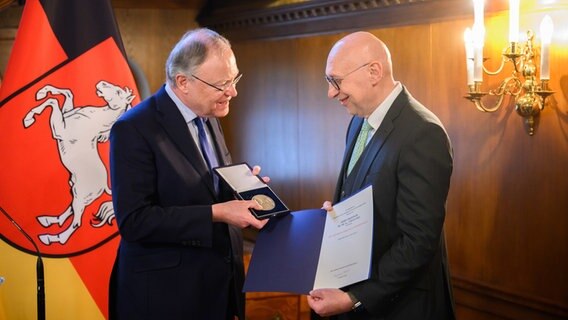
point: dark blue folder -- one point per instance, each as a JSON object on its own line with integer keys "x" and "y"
{"x": 286, "y": 254}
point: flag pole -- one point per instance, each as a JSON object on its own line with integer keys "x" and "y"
{"x": 39, "y": 270}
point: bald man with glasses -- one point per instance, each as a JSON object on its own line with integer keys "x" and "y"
{"x": 401, "y": 148}
{"x": 180, "y": 254}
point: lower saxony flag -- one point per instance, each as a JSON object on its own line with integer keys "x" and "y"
{"x": 67, "y": 81}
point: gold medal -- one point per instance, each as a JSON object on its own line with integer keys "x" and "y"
{"x": 265, "y": 202}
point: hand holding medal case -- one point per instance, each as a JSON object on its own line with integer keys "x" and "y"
{"x": 247, "y": 186}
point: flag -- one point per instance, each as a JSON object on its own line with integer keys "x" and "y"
{"x": 66, "y": 83}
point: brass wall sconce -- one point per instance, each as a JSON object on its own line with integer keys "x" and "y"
{"x": 529, "y": 95}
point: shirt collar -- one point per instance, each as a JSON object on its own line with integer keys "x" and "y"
{"x": 186, "y": 112}
{"x": 377, "y": 117}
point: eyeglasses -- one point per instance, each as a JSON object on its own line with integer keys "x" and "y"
{"x": 336, "y": 82}
{"x": 225, "y": 85}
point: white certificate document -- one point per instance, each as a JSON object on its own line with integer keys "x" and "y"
{"x": 345, "y": 256}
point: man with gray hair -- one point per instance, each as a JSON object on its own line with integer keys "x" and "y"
{"x": 180, "y": 255}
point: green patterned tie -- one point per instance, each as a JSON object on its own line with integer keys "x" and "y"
{"x": 359, "y": 145}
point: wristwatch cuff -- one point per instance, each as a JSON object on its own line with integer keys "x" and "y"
{"x": 356, "y": 302}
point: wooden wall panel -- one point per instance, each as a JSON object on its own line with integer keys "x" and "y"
{"x": 411, "y": 57}
{"x": 506, "y": 224}
{"x": 262, "y": 127}
{"x": 321, "y": 125}
{"x": 9, "y": 20}
{"x": 149, "y": 35}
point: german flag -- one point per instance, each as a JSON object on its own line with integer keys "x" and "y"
{"x": 66, "y": 83}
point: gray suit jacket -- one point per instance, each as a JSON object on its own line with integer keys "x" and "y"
{"x": 409, "y": 163}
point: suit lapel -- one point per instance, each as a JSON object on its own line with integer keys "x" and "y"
{"x": 352, "y": 132}
{"x": 371, "y": 152}
{"x": 361, "y": 170}
{"x": 175, "y": 126}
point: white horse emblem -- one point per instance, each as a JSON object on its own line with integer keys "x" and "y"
{"x": 77, "y": 132}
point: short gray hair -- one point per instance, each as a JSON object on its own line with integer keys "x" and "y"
{"x": 191, "y": 50}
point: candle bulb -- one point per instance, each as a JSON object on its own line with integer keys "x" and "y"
{"x": 546, "y": 29}
{"x": 514, "y": 20}
{"x": 467, "y": 37}
{"x": 478, "y": 33}
{"x": 478, "y": 11}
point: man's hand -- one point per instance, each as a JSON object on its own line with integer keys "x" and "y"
{"x": 236, "y": 213}
{"x": 256, "y": 171}
{"x": 329, "y": 208}
{"x": 329, "y": 302}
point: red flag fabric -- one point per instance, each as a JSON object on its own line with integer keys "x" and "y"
{"x": 66, "y": 83}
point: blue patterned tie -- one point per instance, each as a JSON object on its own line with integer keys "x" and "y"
{"x": 359, "y": 145}
{"x": 207, "y": 150}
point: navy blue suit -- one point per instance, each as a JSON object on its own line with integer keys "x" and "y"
{"x": 173, "y": 261}
{"x": 409, "y": 163}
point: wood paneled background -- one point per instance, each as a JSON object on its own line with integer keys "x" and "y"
{"x": 507, "y": 217}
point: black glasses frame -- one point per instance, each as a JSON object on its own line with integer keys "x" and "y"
{"x": 225, "y": 86}
{"x": 336, "y": 82}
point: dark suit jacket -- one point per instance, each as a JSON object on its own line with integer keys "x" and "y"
{"x": 173, "y": 261}
{"x": 409, "y": 163}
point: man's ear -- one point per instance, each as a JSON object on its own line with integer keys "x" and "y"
{"x": 182, "y": 82}
{"x": 376, "y": 72}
